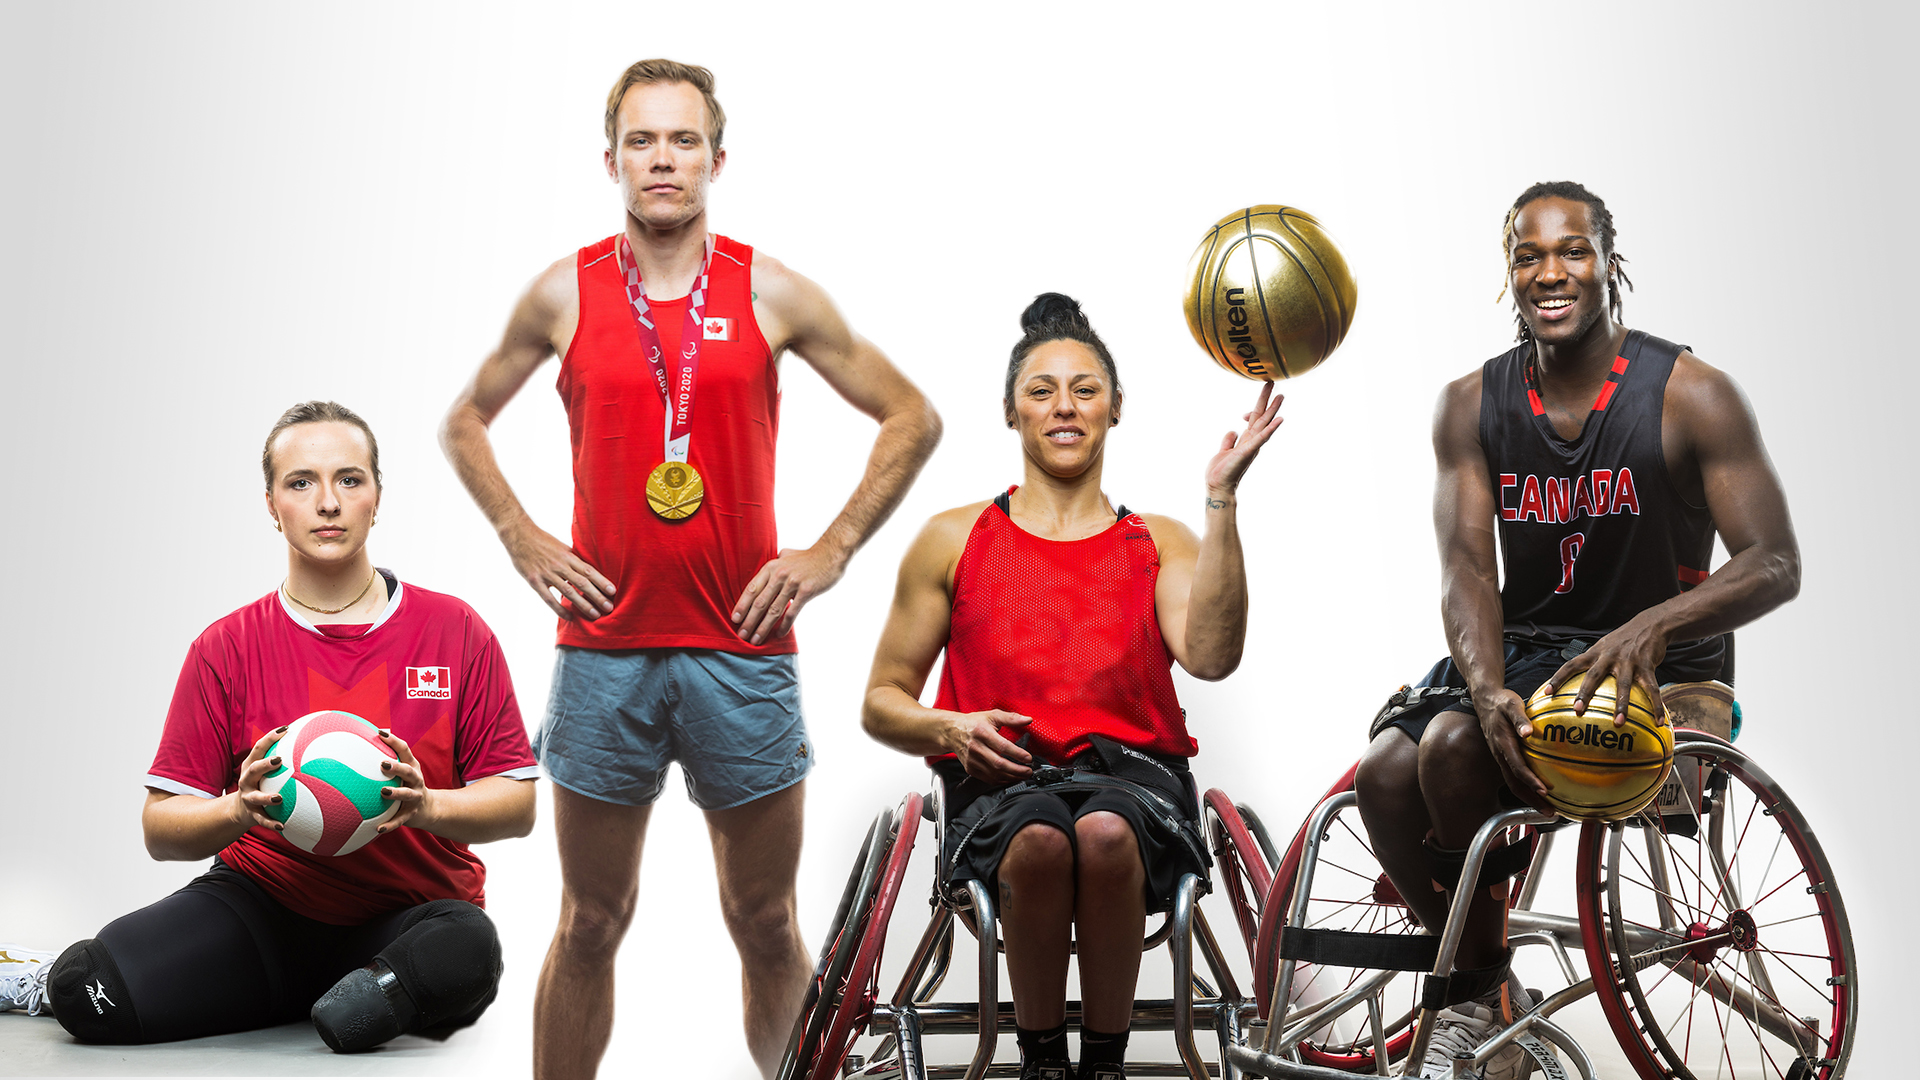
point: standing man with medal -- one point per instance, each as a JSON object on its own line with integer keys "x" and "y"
{"x": 675, "y": 602}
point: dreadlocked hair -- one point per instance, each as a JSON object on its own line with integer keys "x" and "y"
{"x": 1602, "y": 219}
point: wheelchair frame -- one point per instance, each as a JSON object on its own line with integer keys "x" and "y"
{"x": 1671, "y": 931}
{"x": 1693, "y": 937}
{"x": 843, "y": 998}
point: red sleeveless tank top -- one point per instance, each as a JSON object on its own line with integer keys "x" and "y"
{"x": 1064, "y": 632}
{"x": 676, "y": 581}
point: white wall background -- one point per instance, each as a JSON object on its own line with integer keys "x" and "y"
{"x": 213, "y": 211}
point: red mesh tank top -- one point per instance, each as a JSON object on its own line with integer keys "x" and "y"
{"x": 1064, "y": 632}
{"x": 676, "y": 581}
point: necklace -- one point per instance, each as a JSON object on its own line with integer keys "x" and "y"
{"x": 330, "y": 611}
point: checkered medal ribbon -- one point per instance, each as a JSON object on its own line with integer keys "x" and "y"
{"x": 677, "y": 394}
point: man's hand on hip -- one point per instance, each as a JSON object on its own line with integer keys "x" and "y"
{"x": 783, "y": 586}
{"x": 551, "y": 566}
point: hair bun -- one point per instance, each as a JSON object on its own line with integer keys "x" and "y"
{"x": 1053, "y": 309}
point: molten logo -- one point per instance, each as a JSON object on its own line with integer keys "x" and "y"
{"x": 1240, "y": 335}
{"x": 1606, "y": 738}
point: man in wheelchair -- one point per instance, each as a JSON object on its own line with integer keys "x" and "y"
{"x": 1056, "y": 728}
{"x": 1605, "y": 460}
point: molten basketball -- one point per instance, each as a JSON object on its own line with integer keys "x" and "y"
{"x": 1599, "y": 771}
{"x": 1269, "y": 296}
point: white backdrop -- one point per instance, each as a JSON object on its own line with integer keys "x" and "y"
{"x": 213, "y": 211}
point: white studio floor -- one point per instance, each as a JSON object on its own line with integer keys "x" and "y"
{"x": 38, "y": 1046}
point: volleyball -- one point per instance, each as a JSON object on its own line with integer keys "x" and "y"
{"x": 1269, "y": 296}
{"x": 1599, "y": 771}
{"x": 329, "y": 782}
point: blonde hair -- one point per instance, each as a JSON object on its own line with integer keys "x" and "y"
{"x": 319, "y": 412}
{"x": 667, "y": 71}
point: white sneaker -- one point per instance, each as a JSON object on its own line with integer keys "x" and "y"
{"x": 23, "y": 979}
{"x": 1464, "y": 1029}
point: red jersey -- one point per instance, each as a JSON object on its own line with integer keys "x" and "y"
{"x": 675, "y": 581}
{"x": 1064, "y": 632}
{"x": 428, "y": 670}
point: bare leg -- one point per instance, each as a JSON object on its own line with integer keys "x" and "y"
{"x": 757, "y": 850}
{"x": 599, "y": 880}
{"x": 1395, "y": 814}
{"x": 1036, "y": 919}
{"x": 1461, "y": 782}
{"x": 1110, "y": 915}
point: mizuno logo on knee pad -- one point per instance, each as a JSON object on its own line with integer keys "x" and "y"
{"x": 97, "y": 993}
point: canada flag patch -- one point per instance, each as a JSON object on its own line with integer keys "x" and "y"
{"x": 716, "y": 329}
{"x": 429, "y": 682}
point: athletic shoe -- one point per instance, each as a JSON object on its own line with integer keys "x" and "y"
{"x": 1107, "y": 1071}
{"x": 1464, "y": 1029}
{"x": 23, "y": 979}
{"x": 1046, "y": 1070}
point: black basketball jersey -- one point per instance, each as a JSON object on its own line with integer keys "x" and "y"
{"x": 1592, "y": 530}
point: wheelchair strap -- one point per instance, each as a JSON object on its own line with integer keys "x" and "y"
{"x": 1440, "y": 991}
{"x": 1347, "y": 948}
{"x": 1496, "y": 867}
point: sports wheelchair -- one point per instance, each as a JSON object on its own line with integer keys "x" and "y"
{"x": 844, "y": 1003}
{"x": 1710, "y": 928}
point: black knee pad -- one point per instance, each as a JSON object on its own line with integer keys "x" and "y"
{"x": 90, "y": 998}
{"x": 447, "y": 957}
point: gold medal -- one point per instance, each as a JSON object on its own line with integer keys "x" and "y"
{"x": 674, "y": 490}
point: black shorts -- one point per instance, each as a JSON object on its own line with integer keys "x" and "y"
{"x": 1529, "y": 664}
{"x": 1164, "y": 813}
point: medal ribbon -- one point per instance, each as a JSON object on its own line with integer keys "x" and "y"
{"x": 678, "y": 395}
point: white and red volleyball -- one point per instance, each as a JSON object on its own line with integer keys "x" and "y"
{"x": 329, "y": 782}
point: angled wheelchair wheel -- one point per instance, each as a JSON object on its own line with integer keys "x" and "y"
{"x": 1717, "y": 937}
{"x": 1350, "y": 893}
{"x": 1243, "y": 863}
{"x": 845, "y": 979}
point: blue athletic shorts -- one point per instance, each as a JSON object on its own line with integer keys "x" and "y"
{"x": 617, "y": 717}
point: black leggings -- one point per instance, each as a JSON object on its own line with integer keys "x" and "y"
{"x": 221, "y": 956}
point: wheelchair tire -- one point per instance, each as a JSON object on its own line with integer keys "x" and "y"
{"x": 803, "y": 1045}
{"x": 1242, "y": 865}
{"x": 1725, "y": 952}
{"x": 845, "y": 983}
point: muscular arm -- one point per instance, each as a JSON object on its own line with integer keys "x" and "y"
{"x": 541, "y": 321}
{"x": 1201, "y": 596}
{"x": 916, "y": 631}
{"x": 1463, "y": 523}
{"x": 1712, "y": 439}
{"x": 802, "y": 317}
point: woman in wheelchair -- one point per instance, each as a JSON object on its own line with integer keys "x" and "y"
{"x": 1056, "y": 730}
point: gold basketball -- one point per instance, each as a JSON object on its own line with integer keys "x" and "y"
{"x": 1599, "y": 772}
{"x": 1269, "y": 296}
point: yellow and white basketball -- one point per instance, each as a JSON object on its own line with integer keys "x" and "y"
{"x": 1600, "y": 771}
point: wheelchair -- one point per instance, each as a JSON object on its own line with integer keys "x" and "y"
{"x": 844, "y": 1003}
{"x": 1709, "y": 925}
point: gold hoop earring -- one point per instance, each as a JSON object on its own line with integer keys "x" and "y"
{"x": 276, "y": 526}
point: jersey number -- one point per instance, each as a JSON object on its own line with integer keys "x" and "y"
{"x": 1569, "y": 551}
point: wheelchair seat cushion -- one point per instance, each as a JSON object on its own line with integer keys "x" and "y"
{"x": 1155, "y": 795}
